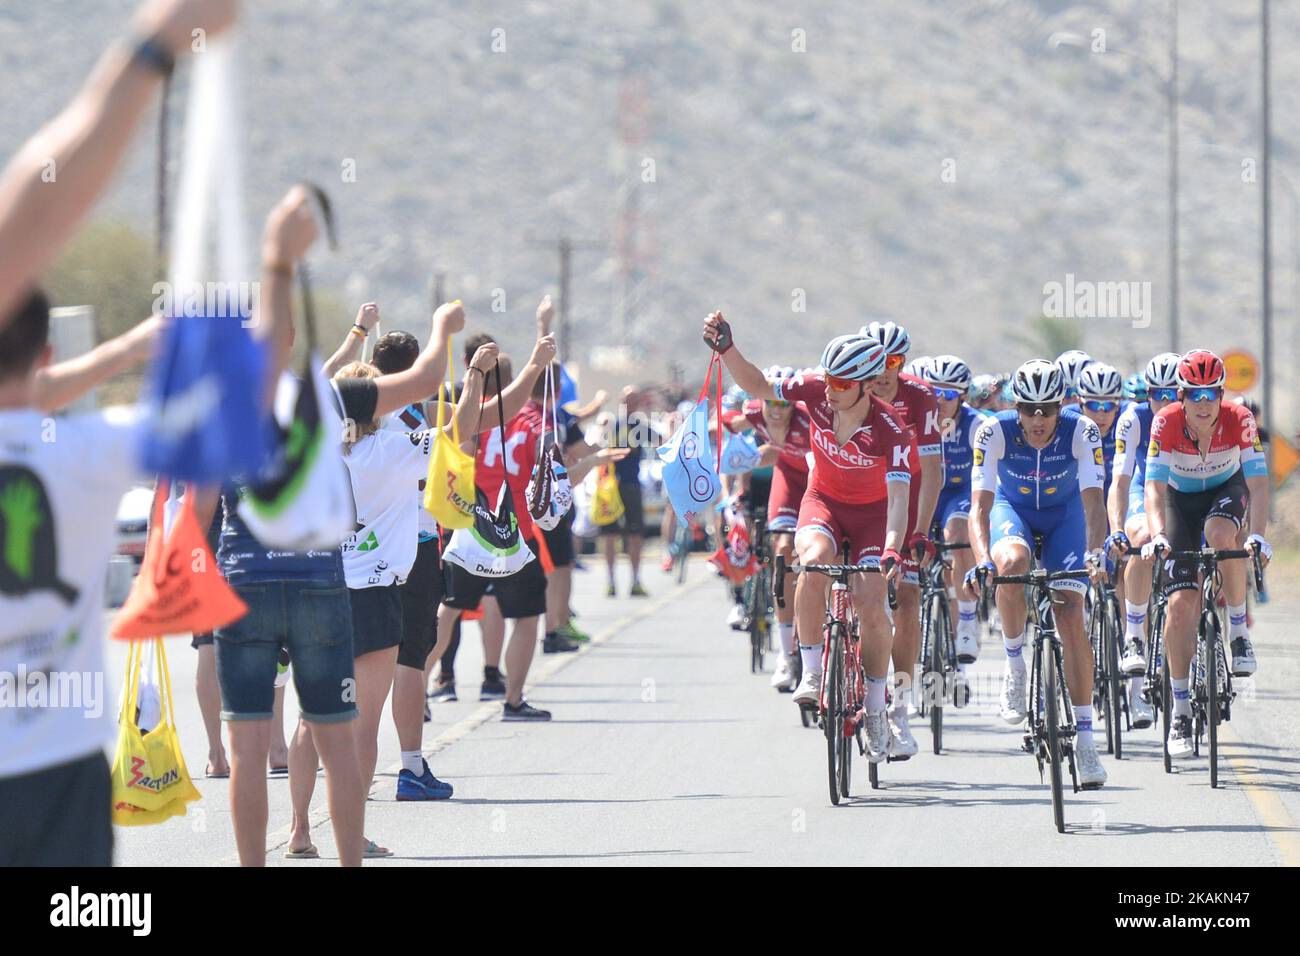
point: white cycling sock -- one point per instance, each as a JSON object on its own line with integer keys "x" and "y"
{"x": 1083, "y": 724}
{"x": 1135, "y": 619}
{"x": 1182, "y": 696}
{"x": 1237, "y": 621}
{"x": 875, "y": 701}
{"x": 786, "y": 633}
{"x": 1014, "y": 646}
{"x": 413, "y": 760}
{"x": 966, "y": 622}
{"x": 811, "y": 657}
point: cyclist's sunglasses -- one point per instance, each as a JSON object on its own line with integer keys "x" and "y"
{"x": 837, "y": 384}
{"x": 1045, "y": 409}
{"x": 947, "y": 394}
{"x": 895, "y": 362}
{"x": 777, "y": 403}
{"x": 1199, "y": 395}
{"x": 1163, "y": 395}
{"x": 1099, "y": 405}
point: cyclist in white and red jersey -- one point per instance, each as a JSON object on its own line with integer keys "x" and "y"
{"x": 857, "y": 490}
{"x": 785, "y": 430}
{"x": 914, "y": 405}
{"x": 1206, "y": 475}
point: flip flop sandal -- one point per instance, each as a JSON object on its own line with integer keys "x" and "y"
{"x": 374, "y": 851}
{"x": 215, "y": 776}
{"x": 279, "y": 771}
{"x": 308, "y": 853}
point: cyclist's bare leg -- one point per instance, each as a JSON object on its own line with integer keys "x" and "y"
{"x": 957, "y": 531}
{"x": 1011, "y": 557}
{"x": 1077, "y": 650}
{"x": 1223, "y": 535}
{"x": 1180, "y": 631}
{"x": 874, "y": 630}
{"x": 1137, "y": 572}
{"x": 907, "y": 635}
{"x": 811, "y": 589}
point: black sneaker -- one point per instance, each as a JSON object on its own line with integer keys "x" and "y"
{"x": 444, "y": 693}
{"x": 1243, "y": 657}
{"x": 525, "y": 711}
{"x": 558, "y": 644}
{"x": 494, "y": 687}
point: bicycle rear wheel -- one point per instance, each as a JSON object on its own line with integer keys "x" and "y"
{"x": 833, "y": 719}
{"x": 1166, "y": 694}
{"x": 1100, "y": 681}
{"x": 933, "y": 684}
{"x": 1115, "y": 681}
{"x": 1051, "y": 717}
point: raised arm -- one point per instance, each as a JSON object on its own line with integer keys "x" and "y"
{"x": 55, "y": 178}
{"x": 290, "y": 231}
{"x": 59, "y": 385}
{"x": 515, "y": 395}
{"x": 467, "y": 411}
{"x": 583, "y": 412}
{"x": 350, "y": 350}
{"x": 717, "y": 335}
{"x": 423, "y": 378}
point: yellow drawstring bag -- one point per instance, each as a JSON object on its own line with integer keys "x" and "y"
{"x": 449, "y": 488}
{"x": 150, "y": 780}
{"x": 606, "y": 503}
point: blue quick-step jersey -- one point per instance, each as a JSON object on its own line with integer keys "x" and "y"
{"x": 1037, "y": 478}
{"x": 1132, "y": 434}
{"x": 958, "y": 449}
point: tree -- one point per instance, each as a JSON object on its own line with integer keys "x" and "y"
{"x": 1048, "y": 336}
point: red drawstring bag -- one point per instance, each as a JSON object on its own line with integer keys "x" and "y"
{"x": 180, "y": 589}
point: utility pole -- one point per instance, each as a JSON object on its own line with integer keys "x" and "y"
{"x": 565, "y": 246}
{"x": 439, "y": 288}
{"x": 1266, "y": 357}
{"x": 1172, "y": 93}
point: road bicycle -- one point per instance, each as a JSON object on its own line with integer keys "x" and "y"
{"x": 938, "y": 659}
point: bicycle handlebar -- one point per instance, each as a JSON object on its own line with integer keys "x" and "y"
{"x": 1200, "y": 555}
{"x": 832, "y": 570}
{"x": 1039, "y": 576}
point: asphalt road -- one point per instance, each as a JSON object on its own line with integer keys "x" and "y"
{"x": 665, "y": 749}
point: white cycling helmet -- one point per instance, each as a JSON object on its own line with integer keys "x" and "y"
{"x": 1071, "y": 364}
{"x": 1038, "y": 381}
{"x": 948, "y": 370}
{"x": 917, "y": 366}
{"x": 1099, "y": 380}
{"x": 1162, "y": 371}
{"x": 853, "y": 357}
{"x": 893, "y": 337}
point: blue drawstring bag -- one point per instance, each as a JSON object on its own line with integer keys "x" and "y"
{"x": 204, "y": 398}
{"x": 568, "y": 387}
{"x": 689, "y": 474}
{"x": 740, "y": 454}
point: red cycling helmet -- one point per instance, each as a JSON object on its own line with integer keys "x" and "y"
{"x": 1201, "y": 368}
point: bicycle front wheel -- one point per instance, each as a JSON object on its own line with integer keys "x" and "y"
{"x": 1213, "y": 644}
{"x": 933, "y": 684}
{"x": 1115, "y": 681}
{"x": 1051, "y": 717}
{"x": 833, "y": 719}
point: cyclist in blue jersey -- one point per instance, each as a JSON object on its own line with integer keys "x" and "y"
{"x": 1128, "y": 520}
{"x": 950, "y": 378}
{"x": 1101, "y": 393}
{"x": 1071, "y": 363}
{"x": 1037, "y": 469}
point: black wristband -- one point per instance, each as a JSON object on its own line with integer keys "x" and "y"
{"x": 150, "y": 53}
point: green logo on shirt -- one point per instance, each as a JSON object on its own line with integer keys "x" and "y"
{"x": 369, "y": 544}
{"x": 28, "y": 547}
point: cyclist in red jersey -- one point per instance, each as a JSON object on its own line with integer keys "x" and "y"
{"x": 785, "y": 431}
{"x": 915, "y": 405}
{"x": 857, "y": 491}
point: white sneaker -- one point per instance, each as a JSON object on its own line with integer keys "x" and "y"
{"x": 1092, "y": 775}
{"x": 901, "y": 742}
{"x": 1012, "y": 702}
{"x": 783, "y": 679}
{"x": 736, "y": 618}
{"x": 1180, "y": 738}
{"x": 809, "y": 689}
{"x": 968, "y": 647}
{"x": 877, "y": 726}
{"x": 1141, "y": 712}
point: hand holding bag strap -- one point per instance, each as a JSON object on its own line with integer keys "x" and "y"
{"x": 714, "y": 360}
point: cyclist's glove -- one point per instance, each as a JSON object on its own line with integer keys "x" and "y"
{"x": 1119, "y": 543}
{"x": 721, "y": 340}
{"x": 1258, "y": 543}
{"x": 1096, "y": 558}
{"x": 922, "y": 544}
{"x": 889, "y": 557}
{"x": 1158, "y": 543}
{"x": 974, "y": 574}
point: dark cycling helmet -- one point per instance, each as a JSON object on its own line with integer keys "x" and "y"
{"x": 1201, "y": 368}
{"x": 854, "y": 357}
{"x": 1037, "y": 382}
{"x": 893, "y": 337}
